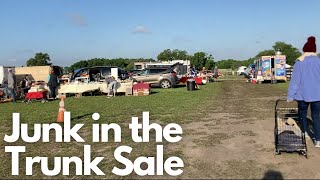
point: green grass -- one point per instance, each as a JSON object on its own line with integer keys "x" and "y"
{"x": 282, "y": 86}
{"x": 164, "y": 105}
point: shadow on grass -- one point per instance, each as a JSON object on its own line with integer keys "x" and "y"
{"x": 270, "y": 174}
{"x": 81, "y": 116}
{"x": 154, "y": 92}
{"x": 217, "y": 81}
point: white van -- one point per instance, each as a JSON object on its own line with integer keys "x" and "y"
{"x": 4, "y": 74}
{"x": 241, "y": 70}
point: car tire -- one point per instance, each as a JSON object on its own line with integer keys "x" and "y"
{"x": 165, "y": 84}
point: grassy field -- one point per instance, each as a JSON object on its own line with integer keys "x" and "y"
{"x": 283, "y": 86}
{"x": 165, "y": 105}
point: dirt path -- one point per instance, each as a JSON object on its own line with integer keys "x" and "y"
{"x": 236, "y": 139}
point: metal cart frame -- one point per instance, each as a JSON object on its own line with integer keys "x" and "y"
{"x": 289, "y": 138}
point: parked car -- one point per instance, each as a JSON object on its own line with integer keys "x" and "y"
{"x": 163, "y": 77}
{"x": 103, "y": 71}
{"x": 131, "y": 73}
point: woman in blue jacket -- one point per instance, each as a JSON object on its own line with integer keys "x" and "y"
{"x": 305, "y": 86}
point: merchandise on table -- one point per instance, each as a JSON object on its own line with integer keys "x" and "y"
{"x": 141, "y": 89}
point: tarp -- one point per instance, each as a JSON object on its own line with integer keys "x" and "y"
{"x": 75, "y": 88}
{"x": 36, "y": 73}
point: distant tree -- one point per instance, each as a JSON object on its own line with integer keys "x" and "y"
{"x": 292, "y": 53}
{"x": 130, "y": 66}
{"x": 95, "y": 62}
{"x": 168, "y": 55}
{"x": 120, "y": 62}
{"x": 179, "y": 54}
{"x": 247, "y": 62}
{"x": 165, "y": 55}
{"x": 210, "y": 64}
{"x": 229, "y": 64}
{"x": 79, "y": 64}
{"x": 269, "y": 52}
{"x": 199, "y": 60}
{"x": 40, "y": 59}
{"x": 319, "y": 54}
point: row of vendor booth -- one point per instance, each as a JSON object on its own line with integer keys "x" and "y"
{"x": 85, "y": 84}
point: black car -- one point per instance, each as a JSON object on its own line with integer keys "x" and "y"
{"x": 101, "y": 71}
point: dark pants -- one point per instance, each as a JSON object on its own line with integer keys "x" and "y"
{"x": 246, "y": 76}
{"x": 315, "y": 112}
{"x": 52, "y": 92}
{"x": 12, "y": 93}
{"x": 25, "y": 90}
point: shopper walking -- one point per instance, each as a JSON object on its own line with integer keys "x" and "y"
{"x": 12, "y": 85}
{"x": 53, "y": 83}
{"x": 305, "y": 87}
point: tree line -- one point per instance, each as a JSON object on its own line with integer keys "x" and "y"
{"x": 198, "y": 59}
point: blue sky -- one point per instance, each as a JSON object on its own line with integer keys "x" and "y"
{"x": 70, "y": 30}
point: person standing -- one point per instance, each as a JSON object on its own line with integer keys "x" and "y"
{"x": 216, "y": 72}
{"x": 53, "y": 83}
{"x": 25, "y": 84}
{"x": 204, "y": 74}
{"x": 305, "y": 87}
{"x": 193, "y": 72}
{"x": 112, "y": 84}
{"x": 12, "y": 85}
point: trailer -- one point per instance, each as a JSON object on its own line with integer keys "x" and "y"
{"x": 270, "y": 68}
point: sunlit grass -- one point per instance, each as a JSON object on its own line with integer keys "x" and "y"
{"x": 164, "y": 105}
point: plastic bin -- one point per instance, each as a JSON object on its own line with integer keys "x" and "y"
{"x": 191, "y": 85}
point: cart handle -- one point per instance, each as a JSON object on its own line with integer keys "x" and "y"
{"x": 277, "y": 102}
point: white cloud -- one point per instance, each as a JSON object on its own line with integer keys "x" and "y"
{"x": 141, "y": 29}
{"x": 78, "y": 20}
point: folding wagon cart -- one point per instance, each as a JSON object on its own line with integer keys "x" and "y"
{"x": 288, "y": 132}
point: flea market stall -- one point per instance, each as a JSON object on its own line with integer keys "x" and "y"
{"x": 83, "y": 85}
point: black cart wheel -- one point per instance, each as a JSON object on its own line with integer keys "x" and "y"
{"x": 304, "y": 153}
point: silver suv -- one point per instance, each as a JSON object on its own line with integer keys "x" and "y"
{"x": 163, "y": 77}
